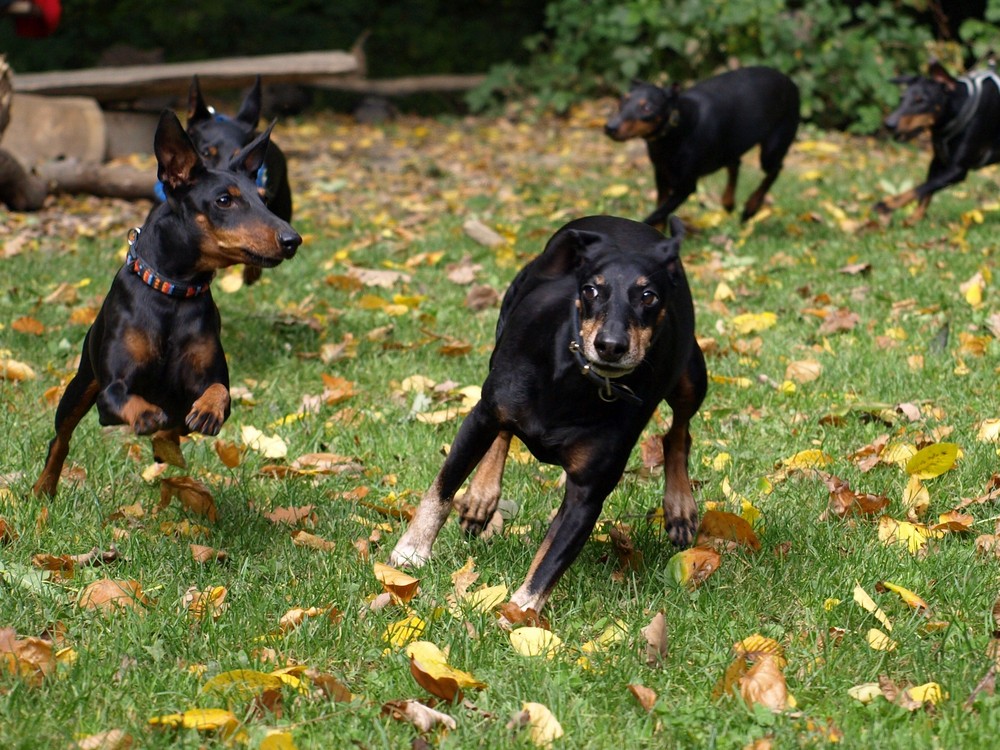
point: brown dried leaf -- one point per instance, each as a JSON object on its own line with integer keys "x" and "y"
{"x": 655, "y": 634}
{"x": 645, "y": 696}
{"x": 7, "y": 533}
{"x": 293, "y": 516}
{"x": 726, "y": 527}
{"x": 109, "y": 595}
{"x": 228, "y": 452}
{"x": 193, "y": 495}
{"x": 302, "y": 538}
{"x": 401, "y": 585}
{"x": 203, "y": 554}
{"x": 764, "y": 684}
{"x": 113, "y": 739}
{"x": 166, "y": 451}
{"x": 29, "y": 658}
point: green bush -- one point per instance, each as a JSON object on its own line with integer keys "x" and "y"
{"x": 841, "y": 58}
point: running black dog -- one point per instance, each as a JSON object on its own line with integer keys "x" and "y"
{"x": 218, "y": 138}
{"x": 693, "y": 133}
{"x": 153, "y": 359}
{"x": 963, "y": 115}
{"x": 591, "y": 336}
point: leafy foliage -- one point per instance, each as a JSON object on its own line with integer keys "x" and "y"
{"x": 840, "y": 57}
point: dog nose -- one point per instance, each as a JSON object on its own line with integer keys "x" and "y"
{"x": 289, "y": 242}
{"x": 610, "y": 348}
{"x": 610, "y": 128}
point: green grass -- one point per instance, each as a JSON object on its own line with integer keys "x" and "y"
{"x": 379, "y": 197}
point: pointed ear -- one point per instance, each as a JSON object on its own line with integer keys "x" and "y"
{"x": 250, "y": 109}
{"x": 197, "y": 109}
{"x": 251, "y": 157}
{"x": 176, "y": 158}
{"x": 937, "y": 72}
{"x": 567, "y": 250}
{"x": 670, "y": 249}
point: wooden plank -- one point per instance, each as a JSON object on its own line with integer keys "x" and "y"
{"x": 400, "y": 86}
{"x": 135, "y": 81}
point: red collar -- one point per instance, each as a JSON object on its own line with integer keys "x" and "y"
{"x": 152, "y": 279}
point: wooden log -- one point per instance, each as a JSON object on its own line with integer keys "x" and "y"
{"x": 105, "y": 180}
{"x": 133, "y": 81}
{"x": 20, "y": 190}
{"x": 403, "y": 86}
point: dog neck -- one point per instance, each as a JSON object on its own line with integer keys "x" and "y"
{"x": 154, "y": 280}
{"x": 608, "y": 389}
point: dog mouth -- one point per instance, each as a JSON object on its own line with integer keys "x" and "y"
{"x": 264, "y": 261}
{"x": 610, "y": 369}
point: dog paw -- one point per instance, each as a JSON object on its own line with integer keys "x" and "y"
{"x": 681, "y": 530}
{"x": 149, "y": 421}
{"x": 205, "y": 422}
{"x": 407, "y": 556}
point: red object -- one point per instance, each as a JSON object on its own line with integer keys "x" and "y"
{"x": 42, "y": 22}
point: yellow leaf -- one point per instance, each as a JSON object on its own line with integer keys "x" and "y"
{"x": 486, "y": 598}
{"x": 913, "y": 535}
{"x": 268, "y": 446}
{"x": 721, "y": 461}
{"x": 429, "y": 667}
{"x": 753, "y": 322}
{"x": 532, "y": 641}
{"x": 277, "y": 740}
{"x": 803, "y": 370}
{"x": 879, "y": 641}
{"x": 929, "y": 692}
{"x": 898, "y": 453}
{"x": 613, "y": 633}
{"x": 723, "y": 292}
{"x": 988, "y": 431}
{"x": 202, "y": 719}
{"x": 545, "y": 728}
{"x": 916, "y": 498}
{"x": 932, "y": 461}
{"x": 911, "y": 599}
{"x": 615, "y": 191}
{"x": 868, "y": 604}
{"x": 830, "y": 603}
{"x": 398, "y": 634}
{"x": 727, "y": 527}
{"x": 245, "y": 683}
{"x": 866, "y": 692}
{"x": 812, "y": 458}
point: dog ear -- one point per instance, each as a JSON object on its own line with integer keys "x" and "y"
{"x": 251, "y": 157}
{"x": 566, "y": 251}
{"x": 250, "y": 108}
{"x": 670, "y": 249}
{"x": 176, "y": 158}
{"x": 197, "y": 109}
{"x": 938, "y": 73}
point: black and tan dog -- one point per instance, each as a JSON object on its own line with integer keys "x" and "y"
{"x": 219, "y": 137}
{"x": 692, "y": 133}
{"x": 153, "y": 359}
{"x": 591, "y": 336}
{"x": 963, "y": 116}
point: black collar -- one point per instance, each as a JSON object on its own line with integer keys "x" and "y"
{"x": 608, "y": 389}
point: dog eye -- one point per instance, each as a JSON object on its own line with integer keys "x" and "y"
{"x": 224, "y": 201}
{"x": 649, "y": 298}
{"x": 589, "y": 292}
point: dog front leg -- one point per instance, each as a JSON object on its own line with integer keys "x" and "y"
{"x": 480, "y": 501}
{"x": 474, "y": 438}
{"x": 680, "y": 512}
{"x": 668, "y": 199}
{"x": 569, "y": 531}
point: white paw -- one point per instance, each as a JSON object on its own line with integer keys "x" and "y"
{"x": 408, "y": 556}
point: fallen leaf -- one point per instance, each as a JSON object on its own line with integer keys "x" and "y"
{"x": 422, "y": 717}
{"x": 535, "y": 641}
{"x": 242, "y": 683}
{"x": 753, "y": 322}
{"x": 407, "y": 630}
{"x": 866, "y": 692}
{"x": 545, "y": 728}
{"x": 645, "y": 696}
{"x": 909, "y": 598}
{"x": 113, "y": 739}
{"x": 11, "y": 369}
{"x": 913, "y": 535}
{"x": 803, "y": 371}
{"x": 868, "y": 604}
{"x": 268, "y": 446}
{"x": 292, "y": 516}
{"x": 692, "y": 567}
{"x": 764, "y": 684}
{"x": 168, "y": 452}
{"x": 879, "y": 641}
{"x": 203, "y": 554}
{"x": 429, "y": 667}
{"x": 401, "y": 585}
{"x": 201, "y": 719}
{"x": 932, "y": 461}
{"x": 208, "y": 603}
{"x": 726, "y": 527}
{"x": 31, "y": 659}
{"x": 109, "y": 595}
{"x": 193, "y": 495}
{"x": 302, "y": 538}
{"x": 655, "y": 634}
{"x": 228, "y": 452}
